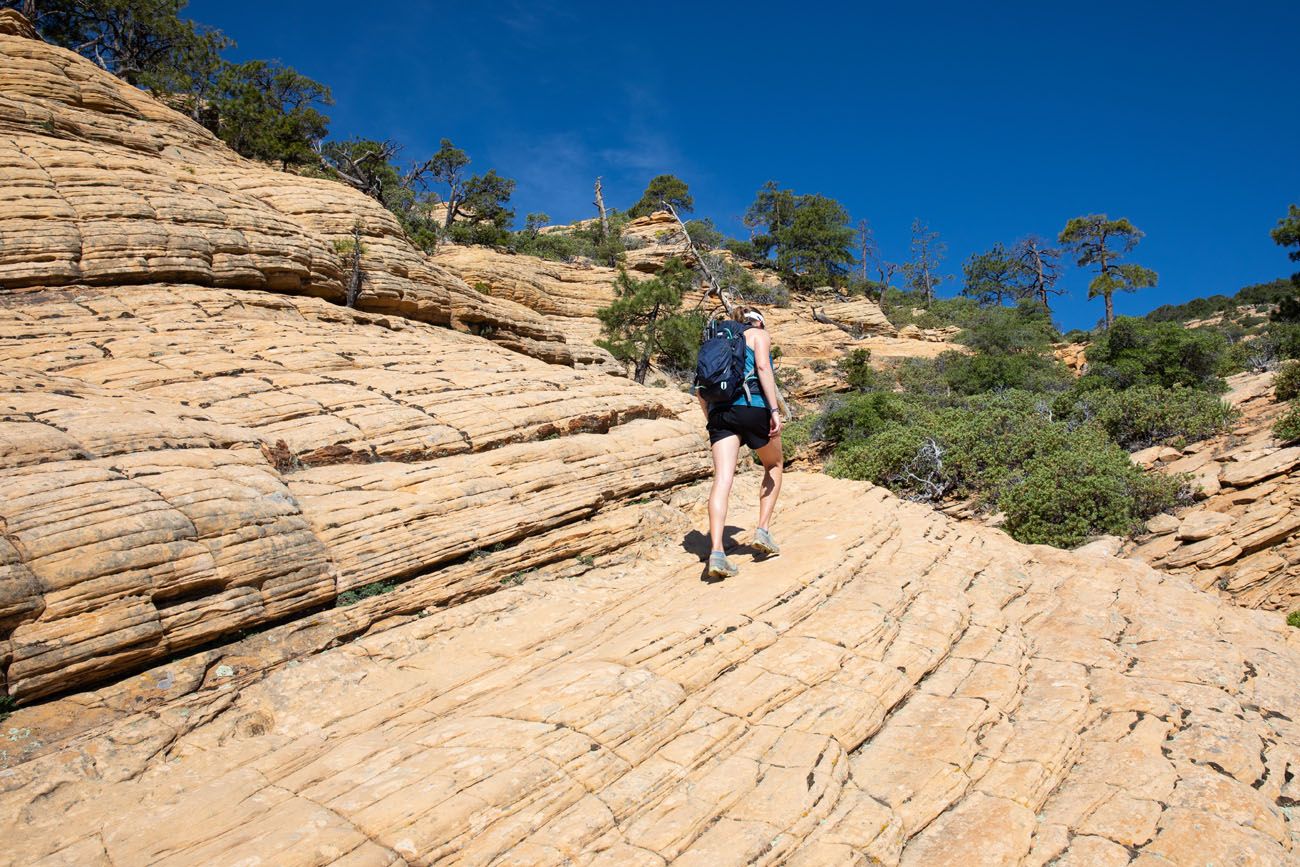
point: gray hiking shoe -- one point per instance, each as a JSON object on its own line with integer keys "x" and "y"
{"x": 721, "y": 567}
{"x": 765, "y": 544}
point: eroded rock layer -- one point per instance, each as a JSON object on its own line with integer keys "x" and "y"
{"x": 1243, "y": 538}
{"x": 104, "y": 185}
{"x": 180, "y": 464}
{"x": 895, "y": 688}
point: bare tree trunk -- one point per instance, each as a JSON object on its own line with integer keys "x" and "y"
{"x": 600, "y": 206}
{"x": 1110, "y": 310}
{"x": 357, "y": 278}
{"x": 28, "y": 11}
{"x": 715, "y": 287}
{"x": 643, "y": 363}
{"x": 1040, "y": 281}
{"x": 863, "y": 239}
{"x": 453, "y": 202}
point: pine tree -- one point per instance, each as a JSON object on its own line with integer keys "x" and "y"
{"x": 1097, "y": 240}
{"x": 645, "y": 319}
{"x": 663, "y": 188}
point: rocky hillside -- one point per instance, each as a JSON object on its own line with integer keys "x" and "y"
{"x": 1242, "y": 538}
{"x": 288, "y": 583}
{"x": 812, "y": 333}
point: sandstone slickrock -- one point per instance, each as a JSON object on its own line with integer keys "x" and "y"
{"x": 897, "y": 686}
{"x": 532, "y": 670}
{"x": 570, "y": 294}
{"x": 182, "y": 463}
{"x": 106, "y": 186}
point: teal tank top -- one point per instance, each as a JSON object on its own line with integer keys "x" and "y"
{"x": 755, "y": 397}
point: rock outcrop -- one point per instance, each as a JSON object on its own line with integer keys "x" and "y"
{"x": 895, "y": 687}
{"x": 812, "y": 334}
{"x": 1242, "y": 538}
{"x": 106, "y": 186}
{"x": 180, "y": 464}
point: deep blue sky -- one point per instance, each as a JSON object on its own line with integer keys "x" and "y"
{"x": 988, "y": 121}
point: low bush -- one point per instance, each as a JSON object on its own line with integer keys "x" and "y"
{"x": 1000, "y": 371}
{"x": 904, "y": 308}
{"x": 885, "y": 459}
{"x": 795, "y": 435}
{"x": 1141, "y": 352}
{"x": 923, "y": 378}
{"x": 858, "y": 416}
{"x": 1149, "y": 415}
{"x": 1287, "y": 427}
{"x": 1007, "y": 451}
{"x": 1087, "y": 488}
{"x": 1286, "y": 382}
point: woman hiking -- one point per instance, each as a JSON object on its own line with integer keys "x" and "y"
{"x": 752, "y": 418}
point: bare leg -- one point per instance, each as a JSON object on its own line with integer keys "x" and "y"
{"x": 725, "y": 452}
{"x": 770, "y": 455}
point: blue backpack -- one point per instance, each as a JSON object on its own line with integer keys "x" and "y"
{"x": 720, "y": 368}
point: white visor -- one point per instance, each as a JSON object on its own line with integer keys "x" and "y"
{"x": 755, "y": 316}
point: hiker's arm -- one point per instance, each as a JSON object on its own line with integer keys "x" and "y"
{"x": 704, "y": 404}
{"x": 766, "y": 379}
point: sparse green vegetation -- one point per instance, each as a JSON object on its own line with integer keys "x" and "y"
{"x": 355, "y": 595}
{"x": 514, "y": 579}
{"x": 795, "y": 435}
{"x": 1292, "y": 619}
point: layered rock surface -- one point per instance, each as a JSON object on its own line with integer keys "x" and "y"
{"x": 106, "y": 186}
{"x": 195, "y": 471}
{"x": 1242, "y": 538}
{"x": 895, "y": 688}
{"x": 184, "y": 463}
{"x": 813, "y": 334}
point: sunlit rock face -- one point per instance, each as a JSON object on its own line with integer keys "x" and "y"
{"x": 287, "y": 583}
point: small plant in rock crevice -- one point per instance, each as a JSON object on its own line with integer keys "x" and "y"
{"x": 367, "y": 591}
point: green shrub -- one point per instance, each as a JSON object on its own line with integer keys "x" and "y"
{"x": 979, "y": 373}
{"x": 858, "y": 416}
{"x": 1287, "y": 427}
{"x": 883, "y": 459}
{"x": 703, "y": 234}
{"x": 795, "y": 435}
{"x": 1006, "y": 450}
{"x": 1088, "y": 488}
{"x": 1286, "y": 382}
{"x": 1149, "y": 415}
{"x": 1293, "y": 619}
{"x": 770, "y": 295}
{"x": 679, "y": 341}
{"x": 922, "y": 377}
{"x": 990, "y": 437}
{"x": 898, "y": 306}
{"x": 1141, "y": 352}
{"x": 1284, "y": 339}
{"x": 860, "y": 375}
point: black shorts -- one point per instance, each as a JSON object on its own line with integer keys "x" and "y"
{"x": 750, "y": 423}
